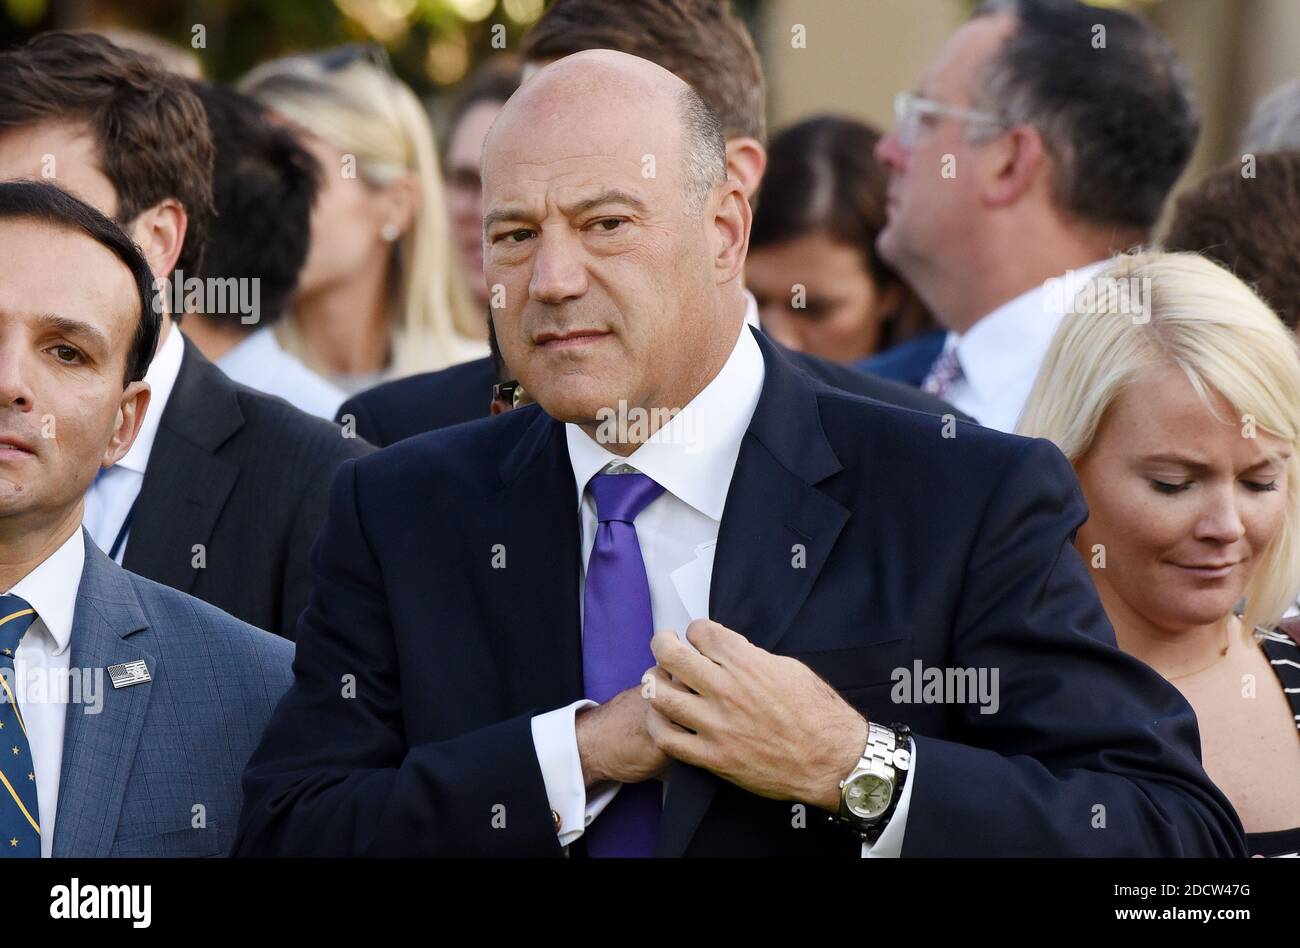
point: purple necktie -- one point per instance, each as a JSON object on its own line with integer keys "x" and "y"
{"x": 616, "y": 631}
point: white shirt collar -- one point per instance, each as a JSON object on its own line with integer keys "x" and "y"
{"x": 1010, "y": 342}
{"x": 51, "y": 588}
{"x": 694, "y": 455}
{"x": 751, "y": 310}
{"x": 161, "y": 376}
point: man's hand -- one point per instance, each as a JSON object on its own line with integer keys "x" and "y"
{"x": 613, "y": 743}
{"x": 765, "y": 722}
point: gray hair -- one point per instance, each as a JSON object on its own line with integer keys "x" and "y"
{"x": 1118, "y": 118}
{"x": 1275, "y": 122}
{"x": 704, "y": 148}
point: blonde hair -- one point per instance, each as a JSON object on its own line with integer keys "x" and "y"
{"x": 1202, "y": 319}
{"x": 364, "y": 111}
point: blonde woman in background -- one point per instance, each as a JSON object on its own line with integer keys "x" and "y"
{"x": 379, "y": 296}
{"x": 1182, "y": 419}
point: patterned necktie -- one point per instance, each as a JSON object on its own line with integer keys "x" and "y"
{"x": 616, "y": 632}
{"x": 20, "y": 818}
{"x": 944, "y": 374}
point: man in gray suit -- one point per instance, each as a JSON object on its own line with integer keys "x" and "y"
{"x": 127, "y": 709}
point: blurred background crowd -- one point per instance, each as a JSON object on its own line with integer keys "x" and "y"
{"x": 410, "y": 88}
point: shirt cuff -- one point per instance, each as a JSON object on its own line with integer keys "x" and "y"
{"x": 555, "y": 739}
{"x": 889, "y": 845}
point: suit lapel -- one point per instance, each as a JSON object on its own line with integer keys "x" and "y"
{"x": 186, "y": 484}
{"x": 777, "y": 530}
{"x": 536, "y": 627}
{"x": 99, "y": 748}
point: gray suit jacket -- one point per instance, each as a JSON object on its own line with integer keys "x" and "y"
{"x": 164, "y": 755}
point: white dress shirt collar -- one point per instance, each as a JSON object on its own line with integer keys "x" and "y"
{"x": 694, "y": 455}
{"x": 161, "y": 376}
{"x": 1010, "y": 342}
{"x": 751, "y": 310}
{"x": 51, "y": 588}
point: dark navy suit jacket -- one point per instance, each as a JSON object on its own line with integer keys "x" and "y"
{"x": 950, "y": 551}
{"x": 908, "y": 361}
{"x": 245, "y": 476}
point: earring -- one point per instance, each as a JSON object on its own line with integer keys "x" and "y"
{"x": 389, "y": 232}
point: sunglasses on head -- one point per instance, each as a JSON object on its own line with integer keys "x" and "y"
{"x": 340, "y": 57}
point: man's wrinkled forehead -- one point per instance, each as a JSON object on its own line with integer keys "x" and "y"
{"x": 564, "y": 179}
{"x": 553, "y": 164}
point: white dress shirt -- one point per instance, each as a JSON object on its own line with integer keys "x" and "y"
{"x": 260, "y": 363}
{"x": 693, "y": 458}
{"x": 113, "y": 493}
{"x": 41, "y": 661}
{"x": 1001, "y": 353}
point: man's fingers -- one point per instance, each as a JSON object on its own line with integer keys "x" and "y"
{"x": 715, "y": 641}
{"x": 684, "y": 663}
{"x": 672, "y": 739}
{"x": 674, "y": 700}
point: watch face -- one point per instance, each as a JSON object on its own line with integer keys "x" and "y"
{"x": 867, "y": 795}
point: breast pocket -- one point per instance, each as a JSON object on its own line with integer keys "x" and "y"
{"x": 182, "y": 842}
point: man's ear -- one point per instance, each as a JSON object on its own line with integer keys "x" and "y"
{"x": 731, "y": 222}
{"x": 746, "y": 162}
{"x": 130, "y": 416}
{"x": 1018, "y": 157}
{"x": 160, "y": 232}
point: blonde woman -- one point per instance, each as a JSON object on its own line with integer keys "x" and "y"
{"x": 379, "y": 295}
{"x": 1175, "y": 392}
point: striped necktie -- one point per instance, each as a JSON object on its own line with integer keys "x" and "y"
{"x": 20, "y": 818}
{"x": 943, "y": 375}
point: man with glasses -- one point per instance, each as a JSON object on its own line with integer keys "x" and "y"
{"x": 1043, "y": 139}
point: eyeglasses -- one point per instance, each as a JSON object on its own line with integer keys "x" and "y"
{"x": 340, "y": 57}
{"x": 911, "y": 110}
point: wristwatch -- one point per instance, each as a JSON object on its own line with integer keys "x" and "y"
{"x": 869, "y": 795}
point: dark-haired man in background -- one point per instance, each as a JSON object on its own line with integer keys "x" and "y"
{"x": 705, "y": 44}
{"x": 263, "y": 184}
{"x": 224, "y": 489}
{"x": 149, "y": 764}
{"x": 1044, "y": 138}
